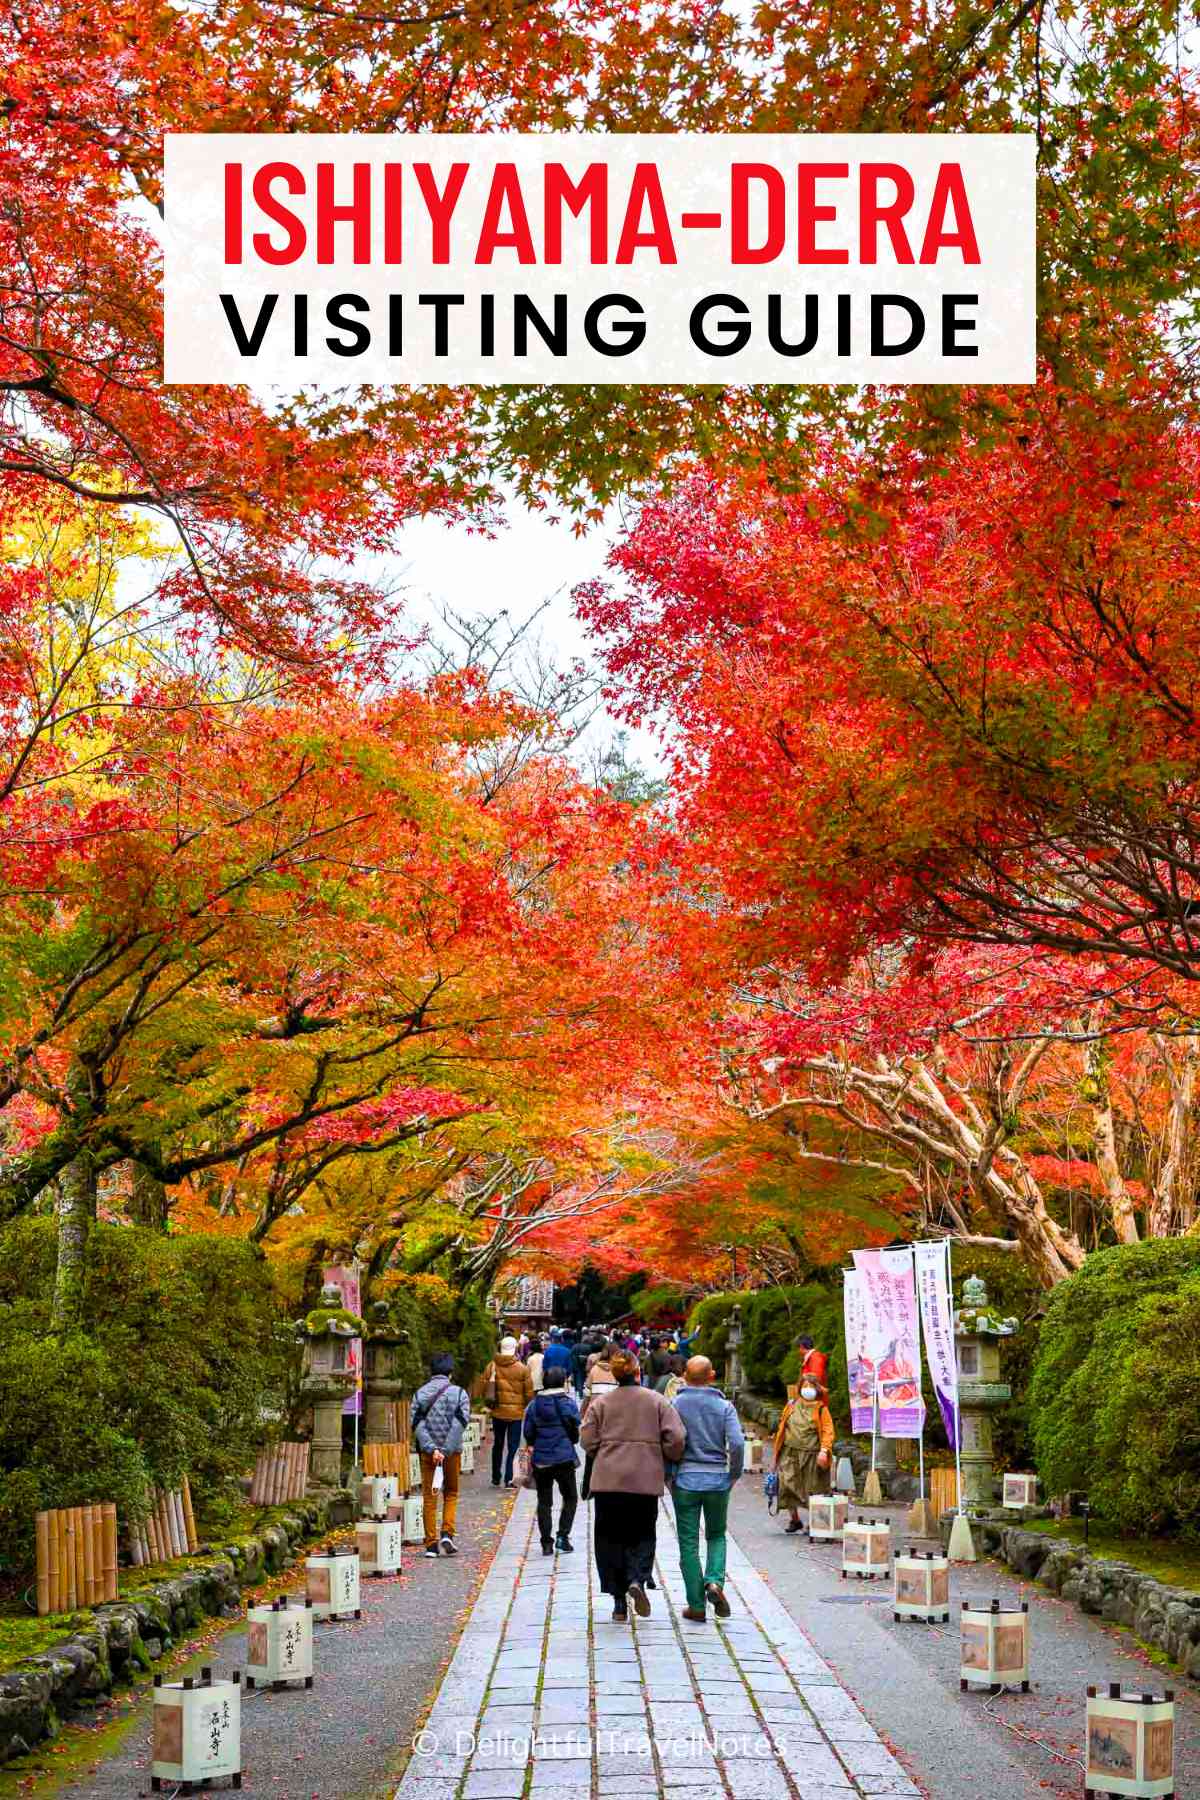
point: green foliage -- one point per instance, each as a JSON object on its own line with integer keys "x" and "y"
{"x": 710, "y": 1317}
{"x": 1114, "y": 1387}
{"x": 328, "y": 1318}
{"x": 64, "y": 1437}
{"x": 1014, "y": 1293}
{"x": 474, "y": 1341}
{"x": 183, "y": 1354}
{"x": 774, "y": 1318}
{"x": 648, "y": 1302}
{"x": 405, "y": 1320}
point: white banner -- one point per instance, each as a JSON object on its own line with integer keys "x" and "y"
{"x": 937, "y": 1323}
{"x": 584, "y": 257}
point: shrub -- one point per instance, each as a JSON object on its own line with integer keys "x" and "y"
{"x": 63, "y": 1436}
{"x": 186, "y": 1350}
{"x": 774, "y": 1318}
{"x": 710, "y": 1317}
{"x": 1114, "y": 1386}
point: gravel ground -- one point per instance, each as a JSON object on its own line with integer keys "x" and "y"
{"x": 905, "y": 1676}
{"x": 374, "y": 1677}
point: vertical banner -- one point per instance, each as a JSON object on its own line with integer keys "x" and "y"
{"x": 937, "y": 1322}
{"x": 347, "y": 1280}
{"x": 893, "y": 1331}
{"x": 860, "y": 1364}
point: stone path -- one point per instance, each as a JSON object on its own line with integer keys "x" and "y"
{"x": 547, "y": 1696}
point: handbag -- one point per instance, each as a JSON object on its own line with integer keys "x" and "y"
{"x": 525, "y": 1476}
{"x": 771, "y": 1489}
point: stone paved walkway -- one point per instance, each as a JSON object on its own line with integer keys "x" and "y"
{"x": 547, "y": 1696}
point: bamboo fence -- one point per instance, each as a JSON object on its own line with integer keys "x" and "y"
{"x": 281, "y": 1473}
{"x": 76, "y": 1557}
{"x": 943, "y": 1490}
{"x": 387, "y": 1459}
{"x": 168, "y": 1530}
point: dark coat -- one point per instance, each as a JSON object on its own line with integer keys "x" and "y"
{"x": 552, "y": 1427}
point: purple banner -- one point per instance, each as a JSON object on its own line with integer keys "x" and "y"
{"x": 860, "y": 1365}
{"x": 937, "y": 1323}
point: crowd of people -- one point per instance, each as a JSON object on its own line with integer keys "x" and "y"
{"x": 638, "y": 1416}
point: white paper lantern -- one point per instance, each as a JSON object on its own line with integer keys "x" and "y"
{"x": 332, "y": 1583}
{"x": 414, "y": 1469}
{"x": 378, "y": 1493}
{"x": 280, "y": 1643}
{"x": 379, "y": 1542}
{"x": 994, "y": 1647}
{"x": 827, "y": 1514}
{"x": 922, "y": 1589}
{"x": 1130, "y": 1743}
{"x": 1020, "y": 1490}
{"x": 467, "y": 1464}
{"x": 197, "y": 1730}
{"x": 866, "y": 1549}
{"x": 413, "y": 1522}
{"x": 754, "y": 1454}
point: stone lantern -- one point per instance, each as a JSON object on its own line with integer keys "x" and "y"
{"x": 382, "y": 1351}
{"x": 327, "y": 1380}
{"x": 977, "y": 1335}
{"x": 734, "y": 1379}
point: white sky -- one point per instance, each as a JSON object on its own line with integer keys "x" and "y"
{"x": 531, "y": 559}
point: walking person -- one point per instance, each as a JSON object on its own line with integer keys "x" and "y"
{"x": 508, "y": 1389}
{"x": 632, "y": 1433}
{"x": 551, "y": 1429}
{"x": 803, "y": 1449}
{"x": 533, "y": 1362}
{"x": 713, "y": 1455}
{"x": 441, "y": 1412}
{"x": 600, "y": 1375}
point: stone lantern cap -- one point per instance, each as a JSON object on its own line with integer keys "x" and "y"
{"x": 976, "y": 1316}
{"x": 381, "y": 1328}
{"x": 331, "y": 1318}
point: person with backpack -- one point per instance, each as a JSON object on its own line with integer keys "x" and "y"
{"x": 551, "y": 1429}
{"x": 441, "y": 1412}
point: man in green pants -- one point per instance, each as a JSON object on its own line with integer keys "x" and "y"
{"x": 711, "y": 1463}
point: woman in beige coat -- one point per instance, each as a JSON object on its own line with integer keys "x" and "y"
{"x": 632, "y": 1433}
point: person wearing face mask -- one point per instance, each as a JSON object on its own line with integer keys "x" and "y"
{"x": 803, "y": 1449}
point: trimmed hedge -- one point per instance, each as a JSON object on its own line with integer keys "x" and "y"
{"x": 1113, "y": 1396}
{"x": 182, "y": 1354}
{"x": 772, "y": 1320}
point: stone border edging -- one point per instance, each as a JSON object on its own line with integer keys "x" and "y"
{"x": 130, "y": 1634}
{"x": 1166, "y": 1618}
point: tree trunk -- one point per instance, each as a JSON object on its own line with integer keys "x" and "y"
{"x": 1120, "y": 1203}
{"x": 148, "y": 1204}
{"x": 1051, "y": 1252}
{"x": 1169, "y": 1209}
{"x": 76, "y": 1214}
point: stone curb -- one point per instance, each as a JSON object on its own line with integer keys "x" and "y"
{"x": 127, "y": 1635}
{"x": 1166, "y": 1618}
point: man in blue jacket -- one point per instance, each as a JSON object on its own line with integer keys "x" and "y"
{"x": 551, "y": 1428}
{"x": 712, "y": 1461}
{"x": 557, "y": 1355}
